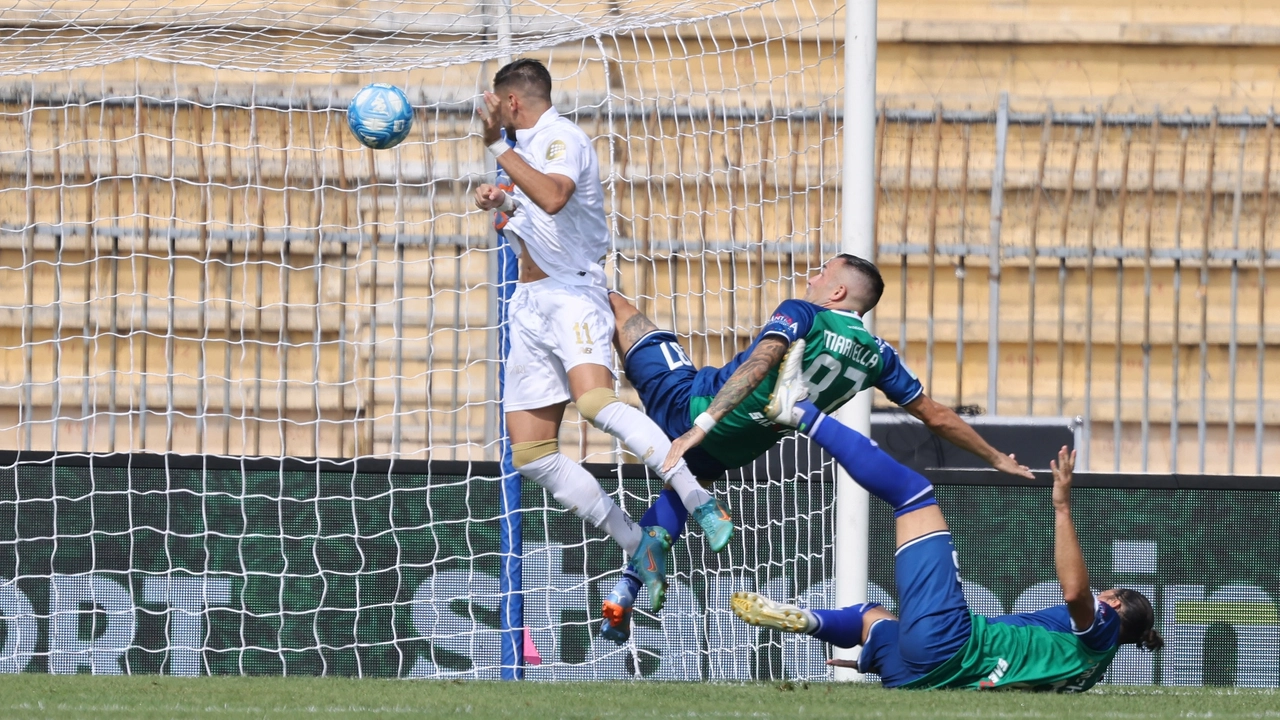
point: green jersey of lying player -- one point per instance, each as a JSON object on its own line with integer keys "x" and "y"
{"x": 936, "y": 641}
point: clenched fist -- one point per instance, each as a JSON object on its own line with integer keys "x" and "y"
{"x": 490, "y": 197}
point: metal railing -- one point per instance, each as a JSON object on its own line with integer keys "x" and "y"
{"x": 1127, "y": 258}
{"x": 1153, "y": 231}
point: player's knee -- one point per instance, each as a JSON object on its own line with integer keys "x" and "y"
{"x": 526, "y": 453}
{"x": 595, "y": 400}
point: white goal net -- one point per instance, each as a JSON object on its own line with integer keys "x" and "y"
{"x": 206, "y": 283}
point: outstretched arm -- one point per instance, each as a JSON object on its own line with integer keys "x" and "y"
{"x": 767, "y": 355}
{"x": 946, "y": 424}
{"x": 1068, "y": 559}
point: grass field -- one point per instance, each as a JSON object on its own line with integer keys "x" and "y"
{"x": 45, "y": 696}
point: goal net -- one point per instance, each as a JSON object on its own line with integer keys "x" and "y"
{"x": 206, "y": 283}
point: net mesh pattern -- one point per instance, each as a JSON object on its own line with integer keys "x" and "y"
{"x": 199, "y": 260}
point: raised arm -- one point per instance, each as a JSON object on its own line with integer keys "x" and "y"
{"x": 946, "y": 424}
{"x": 767, "y": 355}
{"x": 549, "y": 191}
{"x": 1068, "y": 559}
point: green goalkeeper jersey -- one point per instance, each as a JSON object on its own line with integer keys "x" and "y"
{"x": 1026, "y": 657}
{"x": 841, "y": 358}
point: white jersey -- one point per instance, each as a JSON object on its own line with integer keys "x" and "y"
{"x": 569, "y": 246}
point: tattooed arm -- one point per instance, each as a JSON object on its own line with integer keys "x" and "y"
{"x": 766, "y": 356}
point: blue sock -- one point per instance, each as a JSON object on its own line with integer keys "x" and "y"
{"x": 903, "y": 488}
{"x": 810, "y": 417}
{"x": 667, "y": 511}
{"x": 842, "y": 628}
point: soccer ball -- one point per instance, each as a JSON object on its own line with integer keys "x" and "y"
{"x": 380, "y": 116}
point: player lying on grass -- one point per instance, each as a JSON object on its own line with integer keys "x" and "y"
{"x": 560, "y": 322}
{"x": 716, "y": 415}
{"x": 936, "y": 642}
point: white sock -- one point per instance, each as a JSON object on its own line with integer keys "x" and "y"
{"x": 813, "y": 622}
{"x": 645, "y": 440}
{"x": 621, "y": 528}
{"x": 575, "y": 488}
{"x": 691, "y": 493}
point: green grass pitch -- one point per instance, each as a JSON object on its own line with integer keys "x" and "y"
{"x": 45, "y": 696}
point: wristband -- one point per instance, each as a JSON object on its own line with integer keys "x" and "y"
{"x": 705, "y": 421}
{"x": 498, "y": 147}
{"x": 508, "y": 204}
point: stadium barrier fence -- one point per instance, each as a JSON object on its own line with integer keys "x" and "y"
{"x": 193, "y": 565}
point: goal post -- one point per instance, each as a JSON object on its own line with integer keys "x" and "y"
{"x": 858, "y": 227}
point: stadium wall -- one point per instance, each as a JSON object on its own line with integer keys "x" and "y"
{"x": 243, "y": 280}
{"x": 330, "y": 300}
{"x": 194, "y": 565}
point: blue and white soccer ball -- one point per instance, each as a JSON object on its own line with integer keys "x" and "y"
{"x": 380, "y": 116}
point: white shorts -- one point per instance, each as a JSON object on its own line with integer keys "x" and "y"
{"x": 553, "y": 328}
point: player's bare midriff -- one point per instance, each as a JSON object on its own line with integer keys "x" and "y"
{"x": 529, "y": 270}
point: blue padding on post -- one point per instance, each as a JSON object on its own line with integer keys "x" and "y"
{"x": 511, "y": 537}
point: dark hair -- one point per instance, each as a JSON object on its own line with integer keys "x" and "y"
{"x": 868, "y": 270}
{"x": 529, "y": 74}
{"x": 1137, "y": 620}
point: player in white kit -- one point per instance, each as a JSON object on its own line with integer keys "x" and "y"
{"x": 561, "y": 325}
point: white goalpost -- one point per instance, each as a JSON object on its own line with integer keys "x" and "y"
{"x": 269, "y": 355}
{"x": 857, "y": 237}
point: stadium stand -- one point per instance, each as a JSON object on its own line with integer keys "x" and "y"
{"x": 131, "y": 183}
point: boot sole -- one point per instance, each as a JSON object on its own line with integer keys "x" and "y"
{"x": 756, "y": 609}
{"x": 787, "y": 375}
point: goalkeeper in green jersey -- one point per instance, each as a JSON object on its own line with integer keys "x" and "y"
{"x": 937, "y": 642}
{"x": 715, "y": 415}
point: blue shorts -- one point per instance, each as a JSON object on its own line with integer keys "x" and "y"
{"x": 933, "y": 622}
{"x": 663, "y": 374}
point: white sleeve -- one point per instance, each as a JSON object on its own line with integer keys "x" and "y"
{"x": 1081, "y": 631}
{"x": 565, "y": 155}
